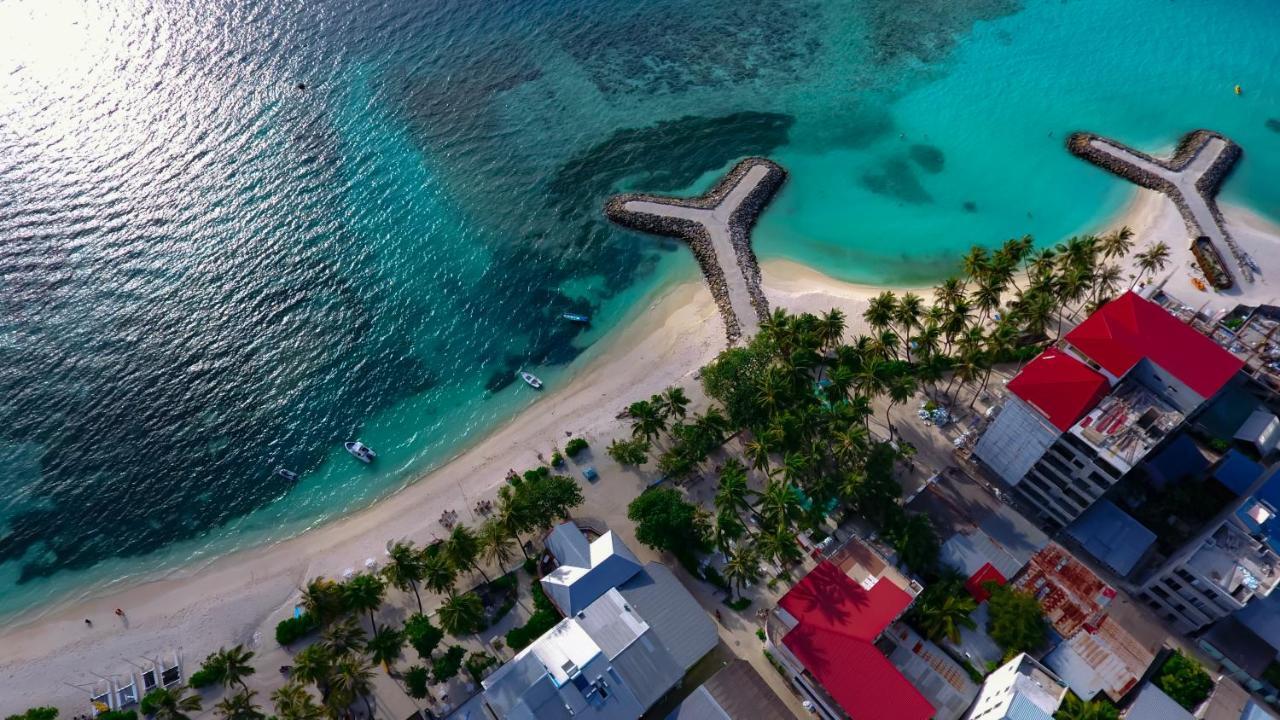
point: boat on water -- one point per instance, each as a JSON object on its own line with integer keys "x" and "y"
{"x": 360, "y": 451}
{"x": 532, "y": 380}
{"x": 575, "y": 317}
{"x": 287, "y": 474}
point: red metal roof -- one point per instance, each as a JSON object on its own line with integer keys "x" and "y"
{"x": 1071, "y": 595}
{"x": 1059, "y": 386}
{"x": 838, "y": 622}
{"x": 1131, "y": 328}
{"x": 977, "y": 581}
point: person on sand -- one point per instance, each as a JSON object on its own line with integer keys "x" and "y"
{"x": 119, "y": 612}
{"x": 88, "y": 622}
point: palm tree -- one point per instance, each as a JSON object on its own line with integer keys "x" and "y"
{"x": 438, "y": 574}
{"x": 322, "y": 599}
{"x": 314, "y": 664}
{"x": 849, "y": 445}
{"x": 646, "y": 420}
{"x": 742, "y": 568}
{"x": 1151, "y": 261}
{"x": 463, "y": 550}
{"x": 779, "y": 545}
{"x": 404, "y": 568}
{"x": 758, "y": 453}
{"x": 676, "y": 402}
{"x": 496, "y": 545}
{"x": 293, "y": 702}
{"x": 174, "y": 703}
{"x": 727, "y": 529}
{"x": 1106, "y": 282}
{"x": 385, "y": 647}
{"x": 881, "y": 310}
{"x": 461, "y": 614}
{"x": 343, "y": 638}
{"x": 944, "y": 615}
{"x": 901, "y": 389}
{"x": 831, "y": 328}
{"x": 733, "y": 493}
{"x": 908, "y": 313}
{"x": 240, "y": 707}
{"x": 975, "y": 263}
{"x": 949, "y": 292}
{"x": 512, "y": 517}
{"x": 232, "y": 666}
{"x": 352, "y": 679}
{"x": 364, "y": 593}
{"x": 1116, "y": 244}
{"x": 986, "y": 297}
{"x": 779, "y": 504}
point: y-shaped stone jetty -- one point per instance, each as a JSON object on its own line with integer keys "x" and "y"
{"x": 1191, "y": 179}
{"x": 717, "y": 227}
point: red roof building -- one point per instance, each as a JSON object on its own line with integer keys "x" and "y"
{"x": 1130, "y": 328}
{"x": 1061, "y": 387}
{"x": 837, "y": 623}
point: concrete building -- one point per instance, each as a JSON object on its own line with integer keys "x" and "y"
{"x": 1021, "y": 689}
{"x": 1072, "y": 596}
{"x": 942, "y": 681}
{"x": 1080, "y": 417}
{"x": 1229, "y": 564}
{"x": 1153, "y": 704}
{"x": 1104, "y": 659}
{"x": 611, "y": 660}
{"x": 825, "y": 634}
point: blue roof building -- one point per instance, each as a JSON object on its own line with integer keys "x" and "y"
{"x": 1179, "y": 460}
{"x": 587, "y": 570}
{"x": 1237, "y": 472}
{"x": 1112, "y": 536}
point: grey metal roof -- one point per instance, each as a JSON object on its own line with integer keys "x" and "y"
{"x": 1153, "y": 704}
{"x": 611, "y": 623}
{"x": 1022, "y": 708}
{"x": 741, "y": 694}
{"x": 569, "y": 546}
{"x": 608, "y": 562}
{"x": 677, "y": 620}
{"x": 1112, "y": 536}
{"x": 700, "y": 705}
{"x": 648, "y": 669}
{"x": 1241, "y": 645}
{"x": 507, "y": 686}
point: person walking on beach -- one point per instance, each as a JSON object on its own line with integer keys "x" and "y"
{"x": 88, "y": 622}
{"x": 119, "y": 612}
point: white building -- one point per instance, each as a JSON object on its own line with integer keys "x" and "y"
{"x": 1021, "y": 689}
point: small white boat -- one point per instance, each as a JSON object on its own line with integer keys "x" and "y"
{"x": 531, "y": 379}
{"x": 360, "y": 451}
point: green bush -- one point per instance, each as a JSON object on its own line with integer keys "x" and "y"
{"x": 416, "y": 680}
{"x": 118, "y": 715}
{"x": 148, "y": 704}
{"x": 543, "y": 619}
{"x": 575, "y": 446}
{"x": 629, "y": 452}
{"x": 557, "y": 459}
{"x": 37, "y": 713}
{"x": 422, "y": 635}
{"x": 478, "y": 662}
{"x": 531, "y": 567}
{"x": 295, "y": 628}
{"x": 448, "y": 664}
{"x": 204, "y": 677}
{"x": 738, "y": 604}
{"x": 760, "y": 634}
{"x": 1182, "y": 679}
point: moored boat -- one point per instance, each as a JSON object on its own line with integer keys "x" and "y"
{"x": 287, "y": 474}
{"x": 576, "y": 317}
{"x": 360, "y": 451}
{"x": 532, "y": 380}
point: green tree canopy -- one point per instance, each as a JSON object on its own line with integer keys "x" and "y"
{"x": 1073, "y": 708}
{"x": 1182, "y": 679}
{"x": 1015, "y": 620}
{"x": 666, "y": 521}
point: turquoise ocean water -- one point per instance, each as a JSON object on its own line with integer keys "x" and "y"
{"x": 206, "y": 272}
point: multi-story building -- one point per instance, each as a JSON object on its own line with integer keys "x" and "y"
{"x": 1021, "y": 688}
{"x": 1079, "y": 417}
{"x": 1233, "y": 561}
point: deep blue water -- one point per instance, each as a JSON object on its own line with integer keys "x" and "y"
{"x": 206, "y": 271}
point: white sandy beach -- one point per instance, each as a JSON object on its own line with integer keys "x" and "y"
{"x": 240, "y": 598}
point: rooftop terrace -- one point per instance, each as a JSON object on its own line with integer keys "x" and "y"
{"x": 1239, "y": 564}
{"x": 1127, "y": 424}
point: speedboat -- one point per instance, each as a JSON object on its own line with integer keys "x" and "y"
{"x": 531, "y": 379}
{"x": 287, "y": 474}
{"x": 575, "y": 317}
{"x": 360, "y": 451}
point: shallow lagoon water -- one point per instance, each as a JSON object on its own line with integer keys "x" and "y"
{"x": 206, "y": 272}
